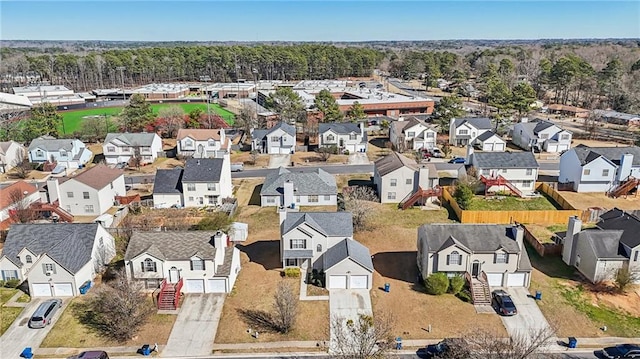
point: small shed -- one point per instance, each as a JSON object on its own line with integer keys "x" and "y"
{"x": 239, "y": 232}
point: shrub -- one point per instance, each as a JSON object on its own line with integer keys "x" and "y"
{"x": 437, "y": 283}
{"x": 463, "y": 195}
{"x": 465, "y": 296}
{"x": 456, "y": 284}
{"x": 292, "y": 272}
{"x": 12, "y": 283}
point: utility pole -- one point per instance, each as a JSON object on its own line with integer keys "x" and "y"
{"x": 206, "y": 79}
{"x": 255, "y": 84}
{"x": 235, "y": 56}
{"x": 121, "y": 69}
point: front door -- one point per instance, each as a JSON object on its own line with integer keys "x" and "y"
{"x": 475, "y": 269}
{"x": 174, "y": 275}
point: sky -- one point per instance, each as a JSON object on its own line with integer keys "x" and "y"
{"x": 316, "y": 20}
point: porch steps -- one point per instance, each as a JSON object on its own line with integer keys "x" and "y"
{"x": 480, "y": 292}
{"x": 167, "y": 299}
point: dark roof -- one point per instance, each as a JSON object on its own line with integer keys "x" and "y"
{"x": 392, "y": 162}
{"x": 168, "y": 181}
{"x": 477, "y": 122}
{"x": 486, "y": 135}
{"x": 202, "y": 170}
{"x": 614, "y": 154}
{"x": 313, "y": 182}
{"x": 477, "y": 238}
{"x": 542, "y": 125}
{"x": 99, "y": 176}
{"x": 348, "y": 248}
{"x": 258, "y": 134}
{"x": 69, "y": 244}
{"x": 132, "y": 139}
{"x": 504, "y": 160}
{"x": 172, "y": 245}
{"x": 339, "y": 127}
{"x": 332, "y": 224}
{"x": 605, "y": 243}
{"x": 285, "y": 127}
{"x": 617, "y": 219}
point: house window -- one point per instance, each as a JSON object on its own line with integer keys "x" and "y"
{"x": 586, "y": 172}
{"x": 544, "y": 136}
{"x": 312, "y": 198}
{"x": 211, "y": 199}
{"x": 319, "y": 248}
{"x": 291, "y": 262}
{"x": 455, "y": 258}
{"x": 529, "y": 171}
{"x": 298, "y": 244}
{"x": 188, "y": 143}
{"x": 197, "y": 264}
{"x": 152, "y": 283}
{"x": 297, "y": 199}
{"x": 69, "y": 194}
{"x": 271, "y": 200}
{"x": 504, "y": 170}
{"x": 111, "y": 149}
{"x": 88, "y": 208}
{"x": 331, "y": 138}
{"x": 190, "y": 199}
{"x": 49, "y": 267}
{"x": 275, "y": 139}
{"x": 9, "y": 274}
{"x": 39, "y": 153}
{"x": 211, "y": 186}
{"x": 411, "y": 134}
{"x": 212, "y": 143}
{"x": 430, "y": 135}
{"x": 635, "y": 256}
{"x": 353, "y": 136}
{"x": 148, "y": 265}
{"x": 463, "y": 132}
{"x": 393, "y": 182}
{"x": 409, "y": 181}
{"x": 391, "y": 195}
{"x": 501, "y": 258}
{"x": 485, "y": 172}
{"x": 605, "y": 173}
{"x": 327, "y": 197}
{"x": 564, "y": 137}
{"x": 191, "y": 186}
{"x": 578, "y": 260}
{"x": 527, "y": 183}
{"x": 85, "y": 195}
{"x": 29, "y": 260}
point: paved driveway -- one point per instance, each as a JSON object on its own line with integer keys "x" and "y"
{"x": 529, "y": 318}
{"x": 276, "y": 161}
{"x": 358, "y": 158}
{"x": 20, "y": 336}
{"x": 347, "y": 304}
{"x": 195, "y": 328}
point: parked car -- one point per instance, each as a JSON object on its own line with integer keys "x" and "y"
{"x": 437, "y": 153}
{"x": 237, "y": 167}
{"x": 44, "y": 314}
{"x": 457, "y": 160}
{"x": 93, "y": 354}
{"x": 445, "y": 348}
{"x": 121, "y": 165}
{"x": 503, "y": 303}
{"x": 622, "y": 351}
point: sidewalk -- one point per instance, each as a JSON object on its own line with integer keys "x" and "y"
{"x": 303, "y": 288}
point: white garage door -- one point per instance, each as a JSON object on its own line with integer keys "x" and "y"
{"x": 358, "y": 282}
{"x": 63, "y": 290}
{"x": 563, "y": 148}
{"x": 499, "y": 147}
{"x": 195, "y": 286}
{"x": 41, "y": 290}
{"x": 516, "y": 280}
{"x": 495, "y": 279}
{"x": 338, "y": 282}
{"x": 487, "y": 147}
{"x": 217, "y": 286}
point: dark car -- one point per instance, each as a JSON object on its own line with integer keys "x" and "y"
{"x": 446, "y": 348}
{"x": 503, "y": 303}
{"x": 121, "y": 165}
{"x": 94, "y": 354}
{"x": 622, "y": 351}
{"x": 457, "y": 160}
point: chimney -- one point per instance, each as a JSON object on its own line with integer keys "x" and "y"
{"x": 469, "y": 159}
{"x": 569, "y": 248}
{"x": 518, "y": 235}
{"x": 624, "y": 171}
{"x": 220, "y": 243}
{"x": 288, "y": 200}
{"x": 423, "y": 177}
{"x": 53, "y": 190}
{"x": 400, "y": 119}
{"x": 282, "y": 213}
{"x": 361, "y": 125}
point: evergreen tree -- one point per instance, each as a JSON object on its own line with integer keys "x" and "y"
{"x": 327, "y": 104}
{"x": 356, "y": 112}
{"x": 136, "y": 114}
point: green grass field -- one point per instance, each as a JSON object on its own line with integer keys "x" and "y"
{"x": 510, "y": 203}
{"x": 72, "y": 119}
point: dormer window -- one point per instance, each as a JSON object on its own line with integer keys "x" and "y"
{"x": 148, "y": 265}
{"x": 188, "y": 143}
{"x": 28, "y": 259}
{"x": 63, "y": 153}
{"x": 212, "y": 143}
{"x": 330, "y": 137}
{"x": 501, "y": 258}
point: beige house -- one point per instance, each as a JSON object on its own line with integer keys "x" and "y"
{"x": 202, "y": 143}
{"x": 397, "y": 177}
{"x": 11, "y": 154}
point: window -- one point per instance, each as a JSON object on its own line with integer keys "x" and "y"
{"x": 148, "y": 265}
{"x": 529, "y": 171}
{"x": 586, "y": 172}
{"x": 275, "y": 139}
{"x": 188, "y": 143}
{"x": 393, "y": 182}
{"x": 29, "y": 260}
{"x": 544, "y": 136}
{"x": 504, "y": 170}
{"x": 88, "y": 208}
{"x": 330, "y": 137}
{"x": 85, "y": 195}
{"x": 605, "y": 173}
{"x": 69, "y": 194}
{"x": 211, "y": 186}
{"x": 63, "y": 153}
{"x": 527, "y": 184}
{"x": 9, "y": 274}
{"x": 297, "y": 199}
{"x": 145, "y": 149}
{"x": 312, "y": 199}
{"x": 190, "y": 199}
{"x": 485, "y": 172}
{"x": 298, "y": 244}
{"x": 391, "y": 195}
{"x": 191, "y": 186}
{"x": 211, "y": 143}
{"x": 353, "y": 136}
{"x": 411, "y": 134}
{"x": 152, "y": 283}
{"x": 635, "y": 256}
{"x": 271, "y": 200}
{"x": 197, "y": 264}
{"x": 463, "y": 132}
{"x": 501, "y": 257}
{"x": 430, "y": 134}
{"x": 49, "y": 267}
{"x": 291, "y": 262}
{"x": 211, "y": 199}
{"x": 409, "y": 181}
{"x": 319, "y": 248}
{"x": 327, "y": 197}
{"x": 455, "y": 258}
{"x": 578, "y": 260}
{"x": 564, "y": 137}
{"x": 111, "y": 149}
{"x": 39, "y": 153}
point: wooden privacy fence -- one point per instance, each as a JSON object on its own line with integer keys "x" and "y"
{"x": 553, "y": 194}
{"x": 548, "y": 249}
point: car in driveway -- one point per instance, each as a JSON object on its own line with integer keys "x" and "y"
{"x": 448, "y": 348}
{"x": 121, "y": 165}
{"x": 503, "y": 303}
{"x": 44, "y": 313}
{"x": 457, "y": 160}
{"x": 622, "y": 351}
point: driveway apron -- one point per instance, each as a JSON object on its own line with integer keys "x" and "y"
{"x": 348, "y": 304}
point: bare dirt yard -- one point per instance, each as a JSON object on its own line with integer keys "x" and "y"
{"x": 262, "y": 160}
{"x": 313, "y": 159}
{"x": 600, "y": 199}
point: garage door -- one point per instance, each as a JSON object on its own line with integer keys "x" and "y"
{"x": 498, "y": 147}
{"x": 338, "y": 282}
{"x": 358, "y": 282}
{"x": 274, "y": 150}
{"x": 516, "y": 280}
{"x": 41, "y": 290}
{"x": 495, "y": 279}
{"x": 487, "y": 147}
{"x": 217, "y": 286}
{"x": 63, "y": 290}
{"x": 195, "y": 286}
{"x": 563, "y": 148}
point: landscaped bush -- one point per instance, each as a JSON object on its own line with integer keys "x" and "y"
{"x": 12, "y": 283}
{"x": 292, "y": 272}
{"x": 465, "y": 296}
{"x": 437, "y": 283}
{"x": 456, "y": 284}
{"x": 463, "y": 194}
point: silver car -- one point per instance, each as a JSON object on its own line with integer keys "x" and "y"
{"x": 44, "y": 314}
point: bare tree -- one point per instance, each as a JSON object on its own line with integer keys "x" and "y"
{"x": 136, "y": 159}
{"x": 285, "y": 306}
{"x": 366, "y": 337}
{"x": 326, "y": 152}
{"x": 248, "y": 118}
{"x": 486, "y": 344}
{"x": 173, "y": 116}
{"x": 623, "y": 277}
{"x": 359, "y": 201}
{"x": 21, "y": 166}
{"x": 591, "y": 124}
{"x": 253, "y": 156}
{"x": 20, "y": 211}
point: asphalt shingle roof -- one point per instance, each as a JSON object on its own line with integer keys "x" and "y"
{"x": 258, "y": 134}
{"x": 348, "y": 248}
{"x": 69, "y": 244}
{"x": 504, "y": 160}
{"x": 132, "y": 139}
{"x": 333, "y": 224}
{"x": 202, "y": 170}
{"x": 285, "y": 127}
{"x": 99, "y": 176}
{"x": 172, "y": 245}
{"x": 305, "y": 182}
{"x": 617, "y": 219}
{"x": 343, "y": 128}
{"x": 51, "y": 144}
{"x": 486, "y": 135}
{"x": 392, "y": 162}
{"x": 477, "y": 122}
{"x": 605, "y": 243}
{"x": 478, "y": 238}
{"x": 168, "y": 181}
{"x": 614, "y": 154}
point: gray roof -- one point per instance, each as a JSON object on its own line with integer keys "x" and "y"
{"x": 477, "y": 238}
{"x": 542, "y": 125}
{"x": 69, "y": 244}
{"x": 172, "y": 245}
{"x": 258, "y": 134}
{"x": 331, "y": 224}
{"x": 504, "y": 160}
{"x": 284, "y": 126}
{"x": 313, "y": 182}
{"x": 342, "y": 128}
{"x": 617, "y": 219}
{"x": 202, "y": 170}
{"x": 605, "y": 243}
{"x": 168, "y": 181}
{"x": 132, "y": 139}
{"x": 477, "y": 122}
{"x": 348, "y": 248}
{"x": 614, "y": 154}
{"x": 486, "y": 135}
{"x": 49, "y": 144}
{"x": 392, "y": 162}
{"x": 298, "y": 253}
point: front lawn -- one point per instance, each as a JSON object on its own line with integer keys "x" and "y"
{"x": 7, "y": 314}
{"x": 510, "y": 203}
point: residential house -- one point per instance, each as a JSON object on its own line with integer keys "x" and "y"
{"x": 56, "y": 258}
{"x": 293, "y": 188}
{"x": 11, "y": 154}
{"x": 67, "y": 153}
{"x": 599, "y": 169}
{"x": 505, "y": 171}
{"x": 167, "y": 188}
{"x": 347, "y": 137}
{"x": 90, "y": 193}
{"x": 412, "y": 134}
{"x": 618, "y": 118}
{"x": 202, "y": 260}
{"x": 492, "y": 251}
{"x": 489, "y": 141}
{"x": 598, "y": 253}
{"x": 123, "y": 147}
{"x": 464, "y": 131}
{"x": 324, "y": 241}
{"x": 16, "y": 196}
{"x": 397, "y": 177}
{"x": 202, "y": 143}
{"x": 206, "y": 181}
{"x": 279, "y": 139}
{"x": 541, "y": 136}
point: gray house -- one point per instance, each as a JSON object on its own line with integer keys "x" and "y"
{"x": 279, "y": 139}
{"x": 299, "y": 188}
{"x": 167, "y": 188}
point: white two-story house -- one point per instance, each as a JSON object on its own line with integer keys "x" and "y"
{"x": 541, "y": 136}
{"x": 299, "y": 188}
{"x": 397, "y": 177}
{"x": 412, "y": 134}
{"x": 206, "y": 181}
{"x": 202, "y": 143}
{"x": 279, "y": 139}
{"x": 464, "y": 131}
{"x": 122, "y": 147}
{"x": 11, "y": 154}
{"x": 347, "y": 137}
{"x": 67, "y": 153}
{"x": 514, "y": 172}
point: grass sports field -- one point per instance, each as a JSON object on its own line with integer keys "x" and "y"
{"x": 72, "y": 119}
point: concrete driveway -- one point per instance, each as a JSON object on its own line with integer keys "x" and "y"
{"x": 276, "y": 161}
{"x": 358, "y": 158}
{"x": 347, "y": 304}
{"x": 529, "y": 318}
{"x": 20, "y": 336}
{"x": 195, "y": 328}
